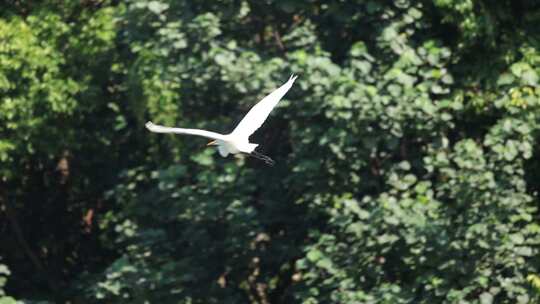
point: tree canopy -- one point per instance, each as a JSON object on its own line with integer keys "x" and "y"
{"x": 407, "y": 152}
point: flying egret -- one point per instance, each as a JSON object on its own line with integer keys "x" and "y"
{"x": 238, "y": 140}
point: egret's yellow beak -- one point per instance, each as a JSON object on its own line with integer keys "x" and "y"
{"x": 212, "y": 143}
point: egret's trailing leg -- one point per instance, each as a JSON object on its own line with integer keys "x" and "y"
{"x": 267, "y": 160}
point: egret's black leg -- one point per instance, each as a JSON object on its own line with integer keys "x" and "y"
{"x": 267, "y": 160}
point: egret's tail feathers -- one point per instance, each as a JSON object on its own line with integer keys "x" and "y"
{"x": 252, "y": 147}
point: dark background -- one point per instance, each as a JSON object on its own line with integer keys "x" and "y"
{"x": 407, "y": 152}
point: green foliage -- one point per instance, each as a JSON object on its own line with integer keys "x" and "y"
{"x": 4, "y": 272}
{"x": 54, "y": 163}
{"x": 406, "y": 151}
{"x": 534, "y": 280}
{"x": 31, "y": 83}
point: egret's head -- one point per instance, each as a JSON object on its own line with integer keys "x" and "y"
{"x": 212, "y": 143}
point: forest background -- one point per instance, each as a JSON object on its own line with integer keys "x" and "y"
{"x": 407, "y": 152}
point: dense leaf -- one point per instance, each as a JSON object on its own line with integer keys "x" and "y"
{"x": 406, "y": 152}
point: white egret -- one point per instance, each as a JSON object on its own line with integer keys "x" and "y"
{"x": 238, "y": 140}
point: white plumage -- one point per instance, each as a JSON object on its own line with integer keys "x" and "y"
{"x": 238, "y": 140}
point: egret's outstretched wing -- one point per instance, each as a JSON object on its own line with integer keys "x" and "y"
{"x": 258, "y": 114}
{"x": 161, "y": 129}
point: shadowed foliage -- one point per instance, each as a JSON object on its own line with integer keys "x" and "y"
{"x": 406, "y": 152}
